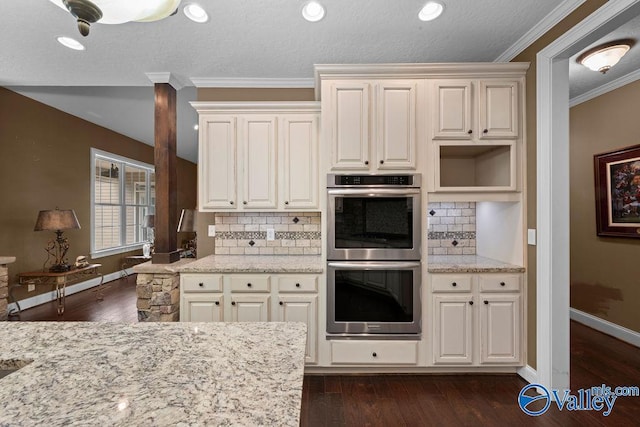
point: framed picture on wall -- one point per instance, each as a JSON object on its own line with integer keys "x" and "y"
{"x": 617, "y": 176}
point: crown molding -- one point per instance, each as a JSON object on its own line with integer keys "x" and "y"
{"x": 547, "y": 23}
{"x": 279, "y": 83}
{"x": 165, "y": 77}
{"x": 607, "y": 87}
{"x": 256, "y": 106}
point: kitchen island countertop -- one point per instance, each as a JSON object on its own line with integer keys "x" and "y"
{"x": 109, "y": 374}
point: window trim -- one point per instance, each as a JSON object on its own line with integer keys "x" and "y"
{"x": 95, "y": 153}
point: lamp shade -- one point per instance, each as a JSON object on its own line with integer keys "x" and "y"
{"x": 187, "y": 221}
{"x": 56, "y": 219}
{"x": 149, "y": 221}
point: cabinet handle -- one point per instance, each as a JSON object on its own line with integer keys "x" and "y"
{"x": 470, "y": 302}
{"x": 366, "y": 162}
{"x": 382, "y": 162}
{"x": 201, "y": 284}
{"x": 485, "y": 131}
{"x": 217, "y": 302}
{"x": 297, "y": 285}
{"x": 244, "y": 203}
{"x": 281, "y": 303}
{"x": 454, "y": 284}
{"x": 502, "y": 283}
{"x": 230, "y": 202}
{"x": 249, "y": 285}
{"x": 469, "y": 131}
{"x": 286, "y": 203}
{"x": 374, "y": 354}
{"x": 233, "y": 303}
{"x": 486, "y": 302}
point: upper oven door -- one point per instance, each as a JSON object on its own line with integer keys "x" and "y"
{"x": 374, "y": 224}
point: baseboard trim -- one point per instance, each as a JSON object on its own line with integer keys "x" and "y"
{"x": 606, "y": 327}
{"x": 70, "y": 290}
{"x": 529, "y": 374}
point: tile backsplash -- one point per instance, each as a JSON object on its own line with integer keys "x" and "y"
{"x": 296, "y": 233}
{"x": 452, "y": 228}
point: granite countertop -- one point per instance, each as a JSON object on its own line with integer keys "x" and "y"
{"x": 160, "y": 374}
{"x": 469, "y": 264}
{"x": 7, "y": 260}
{"x": 255, "y": 264}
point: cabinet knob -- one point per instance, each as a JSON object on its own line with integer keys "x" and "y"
{"x": 201, "y": 284}
{"x": 286, "y": 203}
{"x": 281, "y": 303}
{"x": 470, "y": 302}
{"x": 248, "y": 285}
{"x": 366, "y": 162}
{"x": 374, "y": 354}
{"x": 485, "y": 131}
{"x": 217, "y": 302}
{"x": 297, "y": 285}
{"x": 230, "y": 202}
{"x": 454, "y": 284}
{"x": 502, "y": 283}
{"x": 233, "y": 303}
{"x": 382, "y": 162}
{"x": 244, "y": 203}
{"x": 469, "y": 131}
{"x": 486, "y": 302}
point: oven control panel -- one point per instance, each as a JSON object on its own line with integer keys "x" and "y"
{"x": 409, "y": 180}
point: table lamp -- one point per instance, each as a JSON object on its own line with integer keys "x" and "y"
{"x": 149, "y": 223}
{"x": 57, "y": 220}
{"x": 187, "y": 224}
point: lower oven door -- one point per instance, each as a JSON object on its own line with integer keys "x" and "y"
{"x": 368, "y": 298}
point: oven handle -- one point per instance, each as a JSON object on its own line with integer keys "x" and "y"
{"x": 373, "y": 192}
{"x": 373, "y": 265}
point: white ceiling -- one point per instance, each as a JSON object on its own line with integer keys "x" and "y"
{"x": 244, "y": 39}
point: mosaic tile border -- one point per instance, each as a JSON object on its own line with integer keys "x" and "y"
{"x": 447, "y": 235}
{"x": 279, "y": 235}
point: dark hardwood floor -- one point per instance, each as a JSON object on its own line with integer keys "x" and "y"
{"x": 418, "y": 400}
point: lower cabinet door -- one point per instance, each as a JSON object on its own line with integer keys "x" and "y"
{"x": 250, "y": 308}
{"x": 453, "y": 329}
{"x": 293, "y": 308}
{"x": 500, "y": 329}
{"x": 202, "y": 308}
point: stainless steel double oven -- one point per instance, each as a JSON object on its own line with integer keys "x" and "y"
{"x": 374, "y": 237}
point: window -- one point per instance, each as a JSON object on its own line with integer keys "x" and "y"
{"x": 123, "y": 192}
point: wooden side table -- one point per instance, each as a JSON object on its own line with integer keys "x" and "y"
{"x": 130, "y": 261}
{"x": 60, "y": 281}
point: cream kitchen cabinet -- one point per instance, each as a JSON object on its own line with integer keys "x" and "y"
{"x": 475, "y": 110}
{"x": 372, "y": 125}
{"x": 258, "y": 156}
{"x": 477, "y": 319}
{"x": 202, "y": 307}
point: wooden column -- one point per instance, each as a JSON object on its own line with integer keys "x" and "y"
{"x": 166, "y": 221}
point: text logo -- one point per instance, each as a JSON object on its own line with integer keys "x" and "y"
{"x": 525, "y": 401}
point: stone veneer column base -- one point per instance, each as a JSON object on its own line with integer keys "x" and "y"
{"x": 4, "y": 291}
{"x": 158, "y": 297}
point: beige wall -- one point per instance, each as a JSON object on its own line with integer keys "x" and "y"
{"x": 529, "y": 55}
{"x": 45, "y": 163}
{"x": 604, "y": 271}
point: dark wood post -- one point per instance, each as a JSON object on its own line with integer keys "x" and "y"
{"x": 166, "y": 221}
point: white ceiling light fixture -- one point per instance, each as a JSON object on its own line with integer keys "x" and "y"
{"x": 313, "y": 11}
{"x": 196, "y": 13}
{"x": 602, "y": 58}
{"x": 430, "y": 11}
{"x": 70, "y": 43}
{"x": 116, "y": 11}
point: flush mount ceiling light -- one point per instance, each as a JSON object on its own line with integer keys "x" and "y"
{"x": 430, "y": 11}
{"x": 70, "y": 43}
{"x": 196, "y": 13}
{"x": 602, "y": 58}
{"x": 313, "y": 11}
{"x": 116, "y": 11}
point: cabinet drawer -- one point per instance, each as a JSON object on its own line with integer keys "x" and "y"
{"x": 450, "y": 283}
{"x": 201, "y": 282}
{"x": 250, "y": 283}
{"x": 499, "y": 282}
{"x": 374, "y": 352}
{"x": 297, "y": 284}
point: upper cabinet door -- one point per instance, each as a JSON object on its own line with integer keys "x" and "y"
{"x": 259, "y": 142}
{"x": 218, "y": 153}
{"x": 299, "y": 135}
{"x": 452, "y": 118}
{"x": 349, "y": 118}
{"x": 396, "y": 125}
{"x": 498, "y": 109}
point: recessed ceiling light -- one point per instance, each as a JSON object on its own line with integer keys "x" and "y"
{"x": 196, "y": 13}
{"x": 430, "y": 11}
{"x": 313, "y": 11}
{"x": 70, "y": 43}
{"x": 196, "y": 127}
